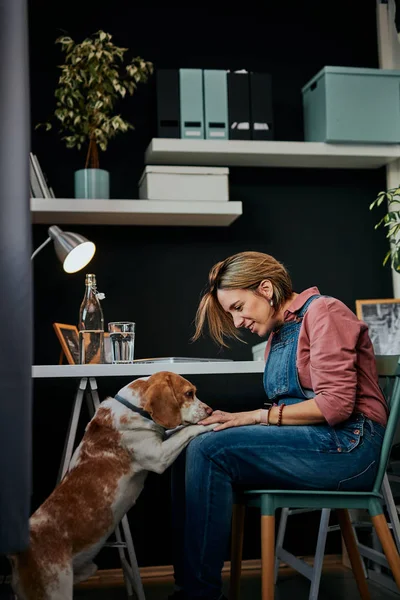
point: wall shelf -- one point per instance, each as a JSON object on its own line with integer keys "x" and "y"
{"x": 232, "y": 153}
{"x": 134, "y": 212}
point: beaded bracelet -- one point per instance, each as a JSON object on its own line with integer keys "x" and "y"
{"x": 279, "y": 422}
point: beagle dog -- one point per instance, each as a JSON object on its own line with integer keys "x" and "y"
{"x": 123, "y": 442}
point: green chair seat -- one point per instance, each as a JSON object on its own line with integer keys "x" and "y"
{"x": 269, "y": 502}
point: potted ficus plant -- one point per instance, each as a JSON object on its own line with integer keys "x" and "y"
{"x": 391, "y": 220}
{"x": 93, "y": 78}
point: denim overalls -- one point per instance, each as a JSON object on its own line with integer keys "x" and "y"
{"x": 282, "y": 385}
{"x": 280, "y": 374}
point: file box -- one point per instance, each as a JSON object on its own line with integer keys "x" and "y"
{"x": 347, "y": 104}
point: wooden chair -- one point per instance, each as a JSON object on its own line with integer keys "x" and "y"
{"x": 269, "y": 500}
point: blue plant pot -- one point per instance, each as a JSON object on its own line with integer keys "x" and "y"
{"x": 92, "y": 183}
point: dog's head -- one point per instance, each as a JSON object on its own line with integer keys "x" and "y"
{"x": 170, "y": 399}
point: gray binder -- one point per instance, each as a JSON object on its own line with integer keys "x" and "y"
{"x": 191, "y": 97}
{"x": 215, "y": 104}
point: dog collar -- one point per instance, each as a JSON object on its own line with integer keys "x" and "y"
{"x": 136, "y": 409}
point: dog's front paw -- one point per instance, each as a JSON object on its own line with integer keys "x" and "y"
{"x": 210, "y": 427}
{"x": 199, "y": 429}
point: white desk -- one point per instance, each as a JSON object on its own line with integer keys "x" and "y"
{"x": 140, "y": 370}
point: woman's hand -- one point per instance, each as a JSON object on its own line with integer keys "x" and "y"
{"x": 227, "y": 419}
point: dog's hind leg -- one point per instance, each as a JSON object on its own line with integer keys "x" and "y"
{"x": 61, "y": 588}
{"x": 57, "y": 584}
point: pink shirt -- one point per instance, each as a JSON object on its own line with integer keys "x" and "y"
{"x": 335, "y": 359}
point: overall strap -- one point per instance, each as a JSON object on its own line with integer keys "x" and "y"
{"x": 281, "y": 378}
{"x": 303, "y": 309}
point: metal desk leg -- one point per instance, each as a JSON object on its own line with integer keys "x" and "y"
{"x": 73, "y": 425}
{"x": 130, "y": 568}
{"x": 126, "y": 568}
{"x": 136, "y": 579}
{"x": 94, "y": 392}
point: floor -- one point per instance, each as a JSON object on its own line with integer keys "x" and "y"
{"x": 337, "y": 583}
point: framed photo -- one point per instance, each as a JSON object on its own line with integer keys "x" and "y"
{"x": 383, "y": 320}
{"x": 68, "y": 338}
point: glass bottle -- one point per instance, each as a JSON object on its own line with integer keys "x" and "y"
{"x": 91, "y": 325}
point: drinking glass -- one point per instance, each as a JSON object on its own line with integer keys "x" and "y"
{"x": 122, "y": 336}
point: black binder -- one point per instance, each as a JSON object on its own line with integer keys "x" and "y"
{"x": 168, "y": 103}
{"x": 238, "y": 106}
{"x": 262, "y": 125}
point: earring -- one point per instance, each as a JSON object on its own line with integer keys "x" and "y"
{"x": 271, "y": 302}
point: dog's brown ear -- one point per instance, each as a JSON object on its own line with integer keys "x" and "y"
{"x": 162, "y": 405}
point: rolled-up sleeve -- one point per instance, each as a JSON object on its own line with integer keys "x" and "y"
{"x": 333, "y": 332}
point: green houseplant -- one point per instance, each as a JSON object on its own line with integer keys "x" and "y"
{"x": 93, "y": 78}
{"x": 391, "y": 220}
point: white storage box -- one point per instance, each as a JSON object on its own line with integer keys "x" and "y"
{"x": 259, "y": 351}
{"x": 184, "y": 183}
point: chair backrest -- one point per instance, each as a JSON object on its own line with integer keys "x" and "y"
{"x": 388, "y": 367}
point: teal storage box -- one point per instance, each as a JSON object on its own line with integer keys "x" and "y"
{"x": 350, "y": 105}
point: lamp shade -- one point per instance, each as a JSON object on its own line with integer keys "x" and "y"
{"x": 73, "y": 250}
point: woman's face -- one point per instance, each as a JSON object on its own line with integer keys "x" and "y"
{"x": 250, "y": 310}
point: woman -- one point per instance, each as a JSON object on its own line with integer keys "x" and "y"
{"x": 325, "y": 428}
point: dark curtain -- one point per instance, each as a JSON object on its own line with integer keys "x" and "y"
{"x": 15, "y": 279}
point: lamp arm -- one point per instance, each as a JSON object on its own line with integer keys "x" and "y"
{"x": 40, "y": 247}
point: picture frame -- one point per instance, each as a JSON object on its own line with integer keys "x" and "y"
{"x": 383, "y": 319}
{"x": 69, "y": 340}
{"x": 68, "y": 336}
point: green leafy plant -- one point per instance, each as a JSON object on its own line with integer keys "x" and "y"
{"x": 391, "y": 220}
{"x": 93, "y": 77}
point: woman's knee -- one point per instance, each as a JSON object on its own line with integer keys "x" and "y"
{"x": 205, "y": 447}
{"x": 208, "y": 446}
{"x": 198, "y": 444}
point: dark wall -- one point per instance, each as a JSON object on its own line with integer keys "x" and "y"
{"x": 315, "y": 221}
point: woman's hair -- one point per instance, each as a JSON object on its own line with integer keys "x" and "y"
{"x": 243, "y": 271}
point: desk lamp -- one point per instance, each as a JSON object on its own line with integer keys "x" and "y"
{"x": 73, "y": 250}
